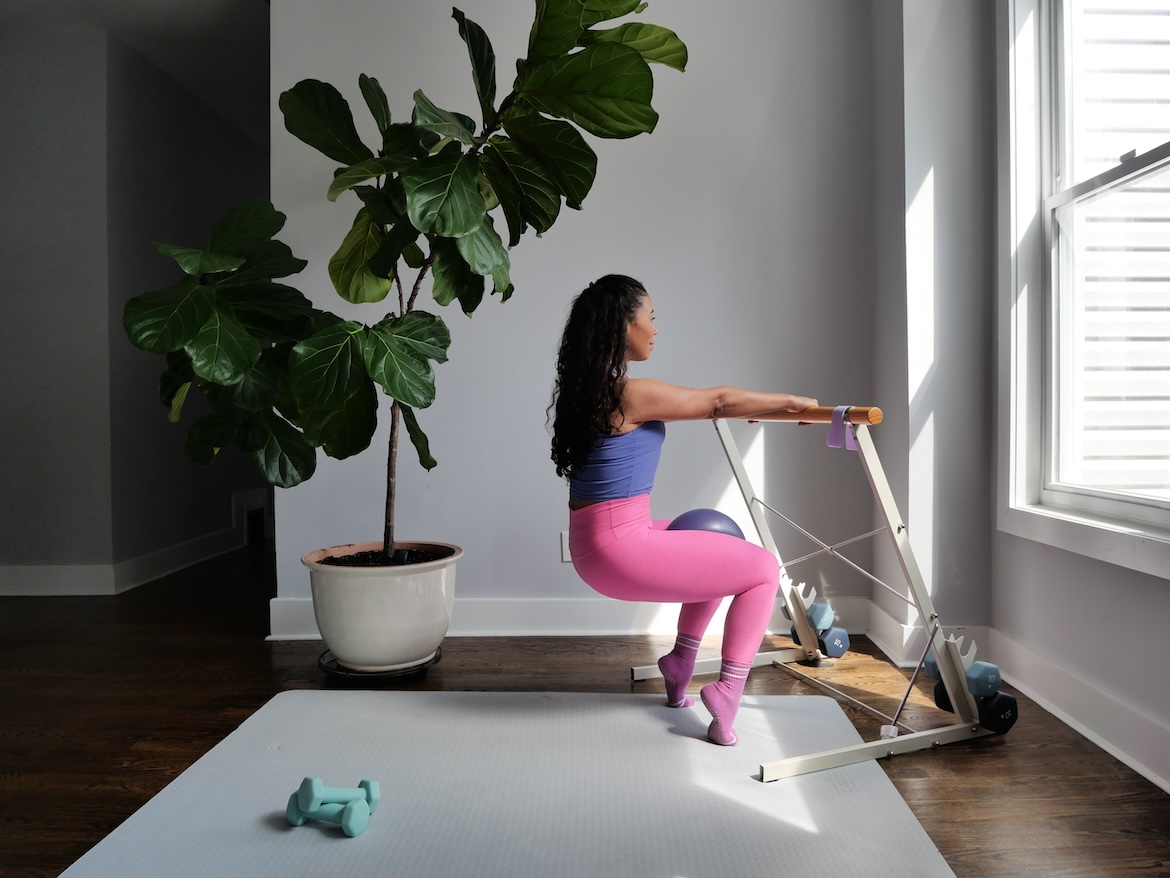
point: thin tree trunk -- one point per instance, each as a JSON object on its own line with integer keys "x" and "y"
{"x": 391, "y": 478}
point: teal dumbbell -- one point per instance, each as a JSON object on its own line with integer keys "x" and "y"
{"x": 313, "y": 794}
{"x": 352, "y": 816}
{"x": 820, "y": 616}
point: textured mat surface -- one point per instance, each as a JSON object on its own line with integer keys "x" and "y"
{"x": 525, "y": 784}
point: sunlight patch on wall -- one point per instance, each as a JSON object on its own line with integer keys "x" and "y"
{"x": 921, "y": 353}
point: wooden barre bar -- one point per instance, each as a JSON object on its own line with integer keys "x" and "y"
{"x": 823, "y": 414}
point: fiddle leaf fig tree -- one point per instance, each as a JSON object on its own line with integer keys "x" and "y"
{"x": 283, "y": 377}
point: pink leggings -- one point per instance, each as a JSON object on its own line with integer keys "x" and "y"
{"x": 621, "y": 553}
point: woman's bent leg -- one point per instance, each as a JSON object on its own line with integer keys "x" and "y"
{"x": 621, "y": 553}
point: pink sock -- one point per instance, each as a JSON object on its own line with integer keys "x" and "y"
{"x": 722, "y": 699}
{"x": 677, "y": 666}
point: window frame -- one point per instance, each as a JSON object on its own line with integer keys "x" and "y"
{"x": 1113, "y": 531}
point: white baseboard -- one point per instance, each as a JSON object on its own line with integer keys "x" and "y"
{"x": 59, "y": 580}
{"x": 292, "y": 618}
{"x": 1139, "y": 740}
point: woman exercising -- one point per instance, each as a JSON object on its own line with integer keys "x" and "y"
{"x": 607, "y": 435}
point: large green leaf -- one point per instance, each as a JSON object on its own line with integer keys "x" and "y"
{"x": 251, "y": 433}
{"x": 347, "y": 429}
{"x": 386, "y": 205}
{"x": 382, "y": 166}
{"x": 398, "y": 351}
{"x": 484, "y": 252}
{"x": 555, "y": 30}
{"x": 259, "y": 389}
{"x": 418, "y": 438}
{"x": 244, "y": 226}
{"x": 285, "y": 458}
{"x": 655, "y": 44}
{"x": 524, "y": 188}
{"x": 605, "y": 88}
{"x": 207, "y": 436}
{"x": 199, "y": 262}
{"x": 442, "y": 197}
{"x": 445, "y": 123}
{"x": 557, "y": 147}
{"x": 270, "y": 311}
{"x": 349, "y": 267}
{"x": 326, "y": 368}
{"x": 483, "y": 64}
{"x": 505, "y": 194}
{"x": 317, "y": 114}
{"x": 375, "y": 99}
{"x": 402, "y": 138}
{"x": 424, "y": 332}
{"x": 177, "y": 398}
{"x": 165, "y": 320}
{"x": 597, "y": 11}
{"x": 175, "y": 383}
{"x": 223, "y": 351}
{"x": 384, "y": 263}
{"x": 454, "y": 278}
{"x": 266, "y": 260}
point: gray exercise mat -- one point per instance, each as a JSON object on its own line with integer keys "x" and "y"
{"x": 525, "y": 784}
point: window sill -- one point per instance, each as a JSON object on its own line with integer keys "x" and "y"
{"x": 1141, "y": 547}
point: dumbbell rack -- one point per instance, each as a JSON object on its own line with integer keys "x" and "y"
{"x": 854, "y": 423}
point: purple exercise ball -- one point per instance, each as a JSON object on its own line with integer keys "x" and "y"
{"x": 706, "y": 519}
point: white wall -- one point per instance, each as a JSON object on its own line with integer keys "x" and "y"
{"x": 747, "y": 214}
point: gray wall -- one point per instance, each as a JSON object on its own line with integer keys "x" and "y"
{"x": 55, "y": 429}
{"x": 169, "y": 181}
{"x": 100, "y": 154}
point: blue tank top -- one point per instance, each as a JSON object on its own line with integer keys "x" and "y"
{"x": 621, "y": 466}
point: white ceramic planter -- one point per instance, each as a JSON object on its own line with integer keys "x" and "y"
{"x": 383, "y": 618}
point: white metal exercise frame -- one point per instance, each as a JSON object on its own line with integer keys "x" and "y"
{"x": 850, "y": 425}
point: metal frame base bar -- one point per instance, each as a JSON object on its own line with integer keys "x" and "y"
{"x": 797, "y": 765}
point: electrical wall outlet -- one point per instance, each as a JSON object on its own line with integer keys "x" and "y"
{"x": 565, "y": 556}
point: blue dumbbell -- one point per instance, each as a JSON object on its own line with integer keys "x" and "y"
{"x": 983, "y": 678}
{"x": 998, "y": 711}
{"x": 832, "y": 642}
{"x": 820, "y": 616}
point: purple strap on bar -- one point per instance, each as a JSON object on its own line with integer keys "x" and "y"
{"x": 840, "y": 436}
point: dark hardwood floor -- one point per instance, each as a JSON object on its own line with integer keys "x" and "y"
{"x": 104, "y": 700}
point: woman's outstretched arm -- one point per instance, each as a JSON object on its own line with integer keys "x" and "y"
{"x": 646, "y": 399}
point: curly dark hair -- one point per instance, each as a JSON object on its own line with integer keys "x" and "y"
{"x": 590, "y": 368}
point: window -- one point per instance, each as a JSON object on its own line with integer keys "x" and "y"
{"x": 1087, "y": 284}
{"x": 1108, "y": 213}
